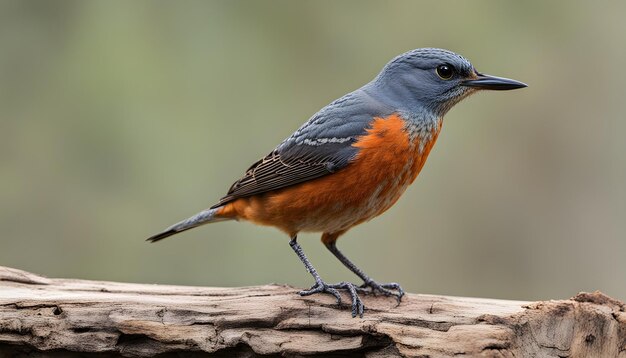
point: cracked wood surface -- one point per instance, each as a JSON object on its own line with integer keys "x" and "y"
{"x": 41, "y": 317}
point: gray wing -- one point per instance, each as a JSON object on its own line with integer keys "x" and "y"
{"x": 323, "y": 145}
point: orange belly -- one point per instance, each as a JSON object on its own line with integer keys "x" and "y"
{"x": 389, "y": 159}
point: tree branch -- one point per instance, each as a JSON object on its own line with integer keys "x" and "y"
{"x": 63, "y": 317}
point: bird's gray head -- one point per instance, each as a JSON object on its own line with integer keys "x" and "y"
{"x": 433, "y": 80}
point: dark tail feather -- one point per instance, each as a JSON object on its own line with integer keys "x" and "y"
{"x": 201, "y": 218}
{"x": 163, "y": 235}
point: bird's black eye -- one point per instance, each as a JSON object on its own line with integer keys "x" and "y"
{"x": 445, "y": 71}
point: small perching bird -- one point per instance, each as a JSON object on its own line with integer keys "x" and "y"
{"x": 352, "y": 160}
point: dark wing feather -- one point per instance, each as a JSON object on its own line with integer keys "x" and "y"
{"x": 271, "y": 173}
{"x": 321, "y": 146}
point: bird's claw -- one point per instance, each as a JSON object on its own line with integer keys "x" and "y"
{"x": 373, "y": 287}
{"x": 323, "y": 287}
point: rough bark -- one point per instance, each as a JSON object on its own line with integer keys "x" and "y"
{"x": 70, "y": 318}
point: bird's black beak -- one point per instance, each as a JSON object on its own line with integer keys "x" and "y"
{"x": 493, "y": 83}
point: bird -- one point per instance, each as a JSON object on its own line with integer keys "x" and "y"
{"x": 351, "y": 161}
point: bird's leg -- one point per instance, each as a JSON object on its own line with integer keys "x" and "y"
{"x": 322, "y": 287}
{"x": 375, "y": 287}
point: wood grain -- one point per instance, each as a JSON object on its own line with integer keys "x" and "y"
{"x": 42, "y": 317}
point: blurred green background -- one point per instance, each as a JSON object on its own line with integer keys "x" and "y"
{"x": 120, "y": 118}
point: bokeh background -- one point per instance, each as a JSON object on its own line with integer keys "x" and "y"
{"x": 120, "y": 118}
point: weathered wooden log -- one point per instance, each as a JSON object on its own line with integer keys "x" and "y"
{"x": 70, "y": 318}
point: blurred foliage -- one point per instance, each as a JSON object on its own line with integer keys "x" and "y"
{"x": 118, "y": 118}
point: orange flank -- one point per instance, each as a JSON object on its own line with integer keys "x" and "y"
{"x": 387, "y": 162}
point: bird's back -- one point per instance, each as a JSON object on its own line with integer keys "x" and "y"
{"x": 323, "y": 145}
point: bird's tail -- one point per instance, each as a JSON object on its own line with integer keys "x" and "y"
{"x": 201, "y": 218}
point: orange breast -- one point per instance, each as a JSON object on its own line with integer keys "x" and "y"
{"x": 389, "y": 159}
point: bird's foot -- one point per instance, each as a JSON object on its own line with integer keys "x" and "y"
{"x": 387, "y": 289}
{"x": 323, "y": 287}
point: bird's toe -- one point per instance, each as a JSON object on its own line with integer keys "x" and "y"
{"x": 321, "y": 287}
{"x": 387, "y": 289}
